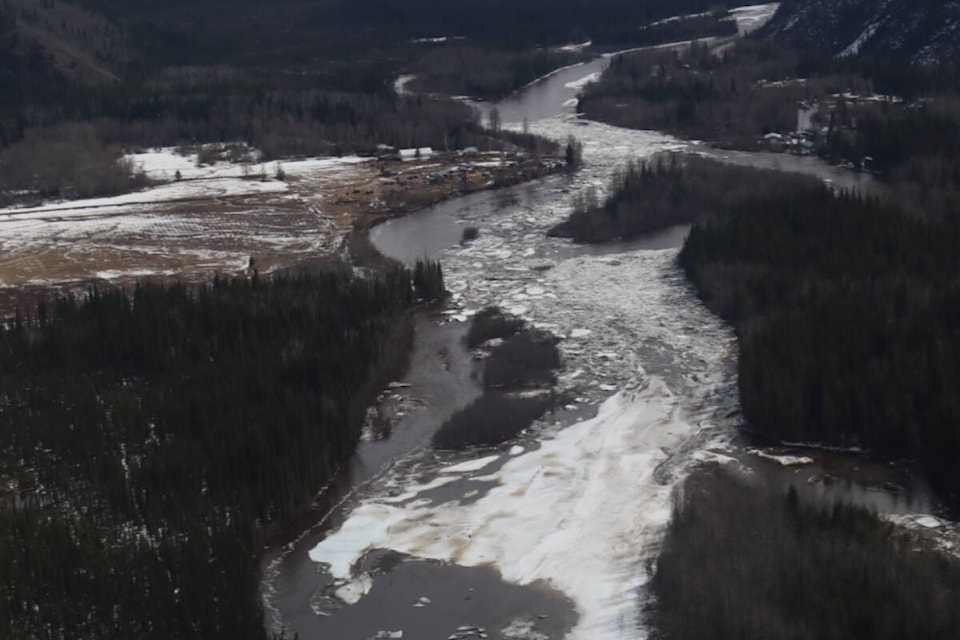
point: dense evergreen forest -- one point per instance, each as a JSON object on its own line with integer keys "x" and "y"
{"x": 464, "y": 68}
{"x": 669, "y": 190}
{"x": 848, "y": 313}
{"x": 745, "y": 563}
{"x": 376, "y": 24}
{"x": 150, "y": 439}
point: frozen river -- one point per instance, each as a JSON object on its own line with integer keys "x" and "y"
{"x": 550, "y": 535}
{"x": 574, "y": 507}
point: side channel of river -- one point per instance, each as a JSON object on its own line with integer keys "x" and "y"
{"x": 546, "y": 537}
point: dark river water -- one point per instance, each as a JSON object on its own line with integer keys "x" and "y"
{"x": 512, "y": 263}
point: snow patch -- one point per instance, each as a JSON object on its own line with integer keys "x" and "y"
{"x": 400, "y": 84}
{"x": 854, "y": 47}
{"x": 751, "y": 17}
{"x": 354, "y": 589}
{"x": 575, "y": 47}
{"x": 784, "y": 460}
{"x": 584, "y": 81}
{"x": 470, "y": 465}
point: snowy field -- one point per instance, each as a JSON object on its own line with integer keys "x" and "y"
{"x": 213, "y": 219}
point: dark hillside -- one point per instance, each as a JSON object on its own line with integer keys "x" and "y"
{"x": 918, "y": 30}
{"x": 45, "y": 46}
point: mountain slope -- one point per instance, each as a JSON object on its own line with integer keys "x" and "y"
{"x": 921, "y": 30}
{"x": 49, "y": 45}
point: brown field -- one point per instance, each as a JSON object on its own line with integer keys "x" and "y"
{"x": 194, "y": 229}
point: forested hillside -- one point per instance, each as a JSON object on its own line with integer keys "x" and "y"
{"x": 917, "y": 30}
{"x": 873, "y": 111}
{"x": 150, "y": 439}
{"x": 372, "y": 24}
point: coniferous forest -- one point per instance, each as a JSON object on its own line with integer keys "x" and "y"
{"x": 746, "y": 562}
{"x": 848, "y": 313}
{"x": 668, "y": 190}
{"x": 152, "y": 438}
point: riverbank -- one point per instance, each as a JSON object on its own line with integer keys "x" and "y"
{"x": 226, "y": 219}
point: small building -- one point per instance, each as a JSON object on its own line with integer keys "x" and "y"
{"x": 419, "y": 153}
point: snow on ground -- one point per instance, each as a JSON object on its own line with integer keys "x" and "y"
{"x": 688, "y": 16}
{"x": 584, "y": 81}
{"x": 943, "y": 533}
{"x": 400, "y": 84}
{"x": 212, "y": 219}
{"x": 585, "y": 509}
{"x": 854, "y": 47}
{"x": 553, "y": 515}
{"x": 580, "y": 46}
{"x": 782, "y": 459}
{"x": 752, "y": 17}
{"x": 213, "y": 187}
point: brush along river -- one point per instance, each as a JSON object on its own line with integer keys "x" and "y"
{"x": 549, "y": 535}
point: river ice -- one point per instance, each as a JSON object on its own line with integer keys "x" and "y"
{"x": 578, "y": 505}
{"x": 583, "y": 510}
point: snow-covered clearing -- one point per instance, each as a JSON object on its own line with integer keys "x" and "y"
{"x": 752, "y": 17}
{"x": 212, "y": 219}
{"x": 854, "y": 47}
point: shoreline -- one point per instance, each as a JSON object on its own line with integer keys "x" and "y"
{"x": 327, "y": 208}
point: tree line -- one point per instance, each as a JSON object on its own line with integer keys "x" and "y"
{"x": 152, "y": 438}
{"x": 670, "y": 189}
{"x": 746, "y": 562}
{"x": 847, "y": 311}
{"x": 470, "y": 70}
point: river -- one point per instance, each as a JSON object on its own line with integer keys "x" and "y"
{"x": 550, "y": 535}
